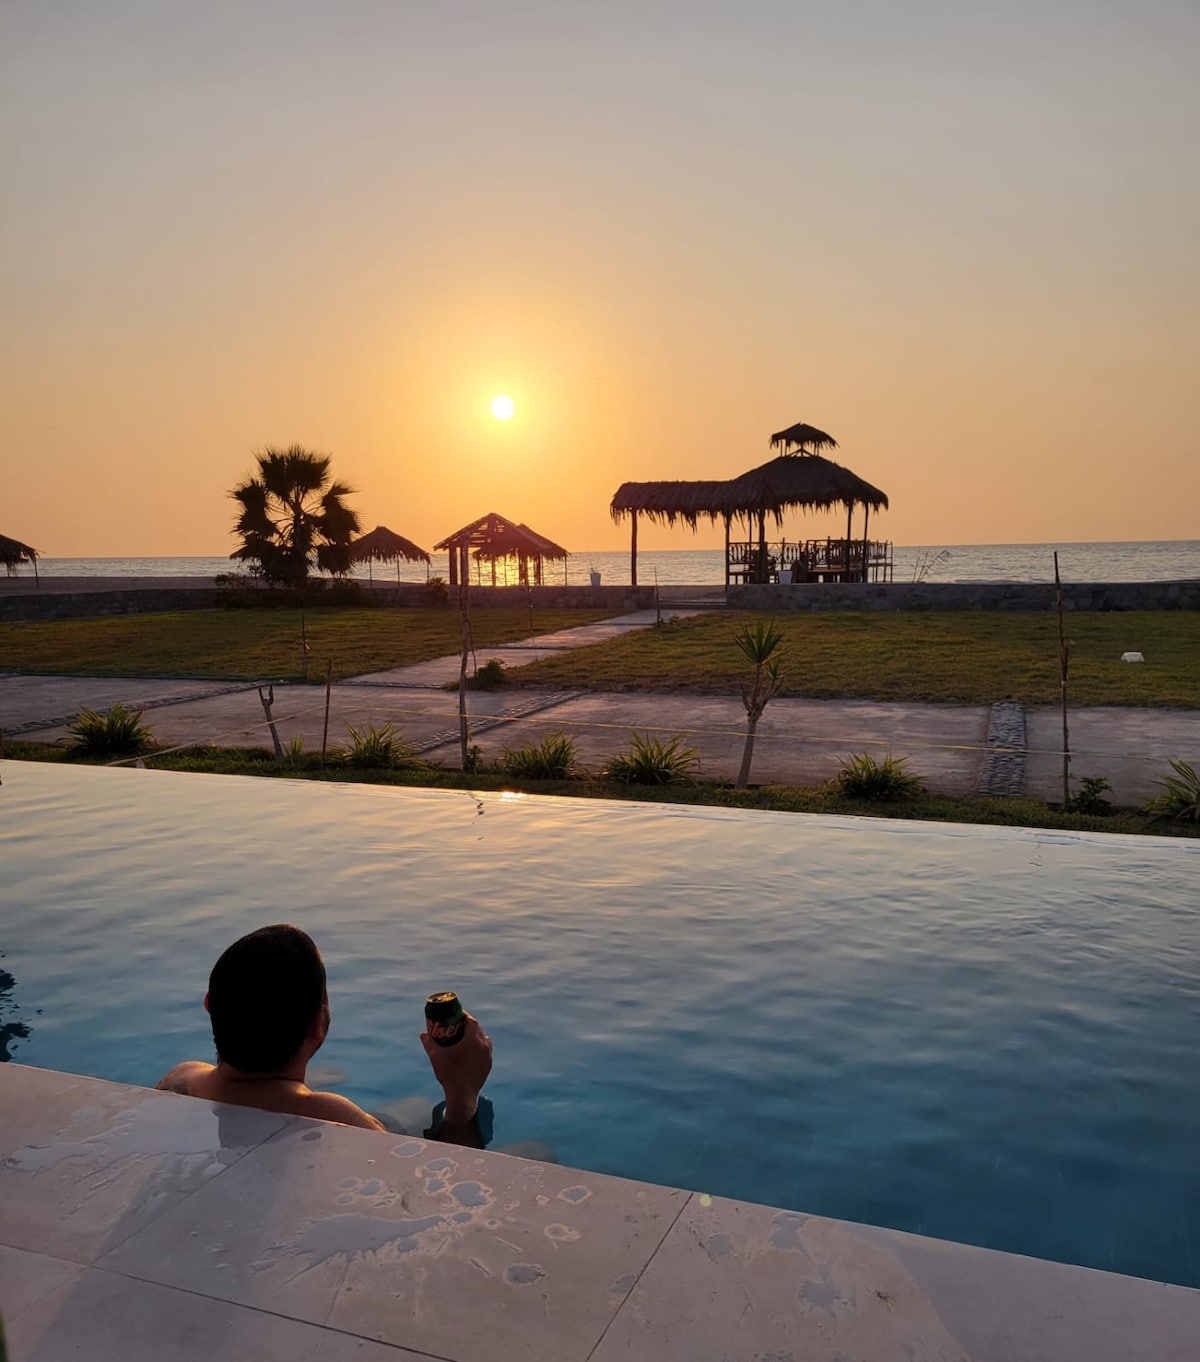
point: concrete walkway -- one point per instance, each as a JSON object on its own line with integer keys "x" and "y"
{"x": 802, "y": 742}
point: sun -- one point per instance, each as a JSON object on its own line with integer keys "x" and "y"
{"x": 503, "y": 407}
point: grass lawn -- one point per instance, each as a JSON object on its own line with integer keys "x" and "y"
{"x": 1020, "y": 812}
{"x": 251, "y": 644}
{"x": 969, "y": 657}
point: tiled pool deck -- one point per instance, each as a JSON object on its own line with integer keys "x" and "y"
{"x": 138, "y": 1226}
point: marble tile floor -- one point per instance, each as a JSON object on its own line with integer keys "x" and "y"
{"x": 137, "y": 1226}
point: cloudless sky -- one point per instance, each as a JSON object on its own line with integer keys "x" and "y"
{"x": 960, "y": 236}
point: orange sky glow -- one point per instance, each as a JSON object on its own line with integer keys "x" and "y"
{"x": 961, "y": 238}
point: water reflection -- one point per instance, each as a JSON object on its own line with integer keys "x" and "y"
{"x": 10, "y": 1030}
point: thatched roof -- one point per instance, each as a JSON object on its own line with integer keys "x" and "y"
{"x": 384, "y": 545}
{"x": 12, "y": 552}
{"x": 808, "y": 481}
{"x": 492, "y": 532}
{"x": 520, "y": 541}
{"x": 666, "y": 502}
{"x": 802, "y": 439}
{"x": 805, "y": 481}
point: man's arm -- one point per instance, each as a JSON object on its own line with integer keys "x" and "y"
{"x": 462, "y": 1070}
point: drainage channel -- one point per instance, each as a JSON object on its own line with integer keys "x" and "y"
{"x": 1004, "y": 765}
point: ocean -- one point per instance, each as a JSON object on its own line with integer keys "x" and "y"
{"x": 1131, "y": 561}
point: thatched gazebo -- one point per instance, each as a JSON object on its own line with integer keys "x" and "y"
{"x": 798, "y": 479}
{"x": 808, "y": 482}
{"x": 386, "y": 546}
{"x": 493, "y": 537}
{"x": 529, "y": 549}
{"x": 13, "y": 553}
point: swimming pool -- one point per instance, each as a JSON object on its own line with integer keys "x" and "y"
{"x": 987, "y": 1035}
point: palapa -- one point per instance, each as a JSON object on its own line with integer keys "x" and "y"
{"x": 493, "y": 537}
{"x": 13, "y": 553}
{"x": 798, "y": 479}
{"x": 382, "y": 545}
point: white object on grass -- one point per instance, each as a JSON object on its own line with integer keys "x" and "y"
{"x": 1132, "y": 657}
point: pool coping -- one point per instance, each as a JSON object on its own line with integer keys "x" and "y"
{"x": 136, "y": 1223}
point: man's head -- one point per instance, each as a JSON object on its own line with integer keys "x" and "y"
{"x": 266, "y": 998}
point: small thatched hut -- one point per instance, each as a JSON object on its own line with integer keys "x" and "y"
{"x": 13, "y": 553}
{"x": 386, "y": 546}
{"x": 492, "y": 538}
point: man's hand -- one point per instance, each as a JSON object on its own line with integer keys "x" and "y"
{"x": 461, "y": 1069}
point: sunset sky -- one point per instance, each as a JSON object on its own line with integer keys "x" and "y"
{"x": 960, "y": 236}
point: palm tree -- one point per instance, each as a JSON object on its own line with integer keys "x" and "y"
{"x": 759, "y": 647}
{"x": 293, "y": 517}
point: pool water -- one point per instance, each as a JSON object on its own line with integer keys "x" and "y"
{"x": 988, "y": 1035}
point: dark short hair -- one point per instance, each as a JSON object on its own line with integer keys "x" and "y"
{"x": 263, "y": 994}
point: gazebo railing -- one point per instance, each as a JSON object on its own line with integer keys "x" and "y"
{"x": 809, "y": 560}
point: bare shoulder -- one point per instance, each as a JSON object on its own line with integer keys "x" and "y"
{"x": 329, "y": 1106}
{"x": 182, "y": 1076}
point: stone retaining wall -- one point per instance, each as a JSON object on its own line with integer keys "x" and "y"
{"x": 1183, "y": 595}
{"x": 48, "y": 604}
{"x": 618, "y": 599}
{"x": 63, "y": 605}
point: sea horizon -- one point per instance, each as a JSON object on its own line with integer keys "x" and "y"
{"x": 1079, "y": 561}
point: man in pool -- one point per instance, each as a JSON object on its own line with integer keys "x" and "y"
{"x": 270, "y": 1014}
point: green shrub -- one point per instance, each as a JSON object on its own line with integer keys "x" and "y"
{"x": 437, "y": 591}
{"x": 554, "y": 758}
{"x": 491, "y": 676}
{"x": 863, "y": 777}
{"x": 119, "y": 732}
{"x": 648, "y": 761}
{"x": 1180, "y": 799}
{"x": 1089, "y": 798}
{"x": 376, "y": 748}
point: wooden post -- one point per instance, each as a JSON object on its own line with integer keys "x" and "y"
{"x": 726, "y": 550}
{"x": 760, "y": 574}
{"x": 846, "y": 576}
{"x": 1064, "y": 662}
{"x": 633, "y": 553}
{"x": 453, "y": 558}
{"x": 866, "y": 542}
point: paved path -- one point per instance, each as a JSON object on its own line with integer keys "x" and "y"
{"x": 801, "y": 742}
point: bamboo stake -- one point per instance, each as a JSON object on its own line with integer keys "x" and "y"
{"x": 464, "y": 727}
{"x": 268, "y": 699}
{"x": 328, "y": 689}
{"x": 1064, "y": 662}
